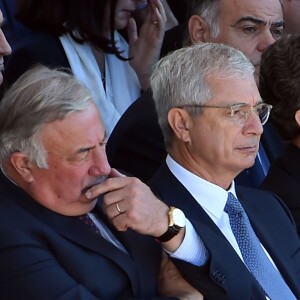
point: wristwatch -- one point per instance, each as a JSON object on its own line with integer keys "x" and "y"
{"x": 176, "y": 222}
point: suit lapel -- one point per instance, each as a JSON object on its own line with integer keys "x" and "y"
{"x": 215, "y": 242}
{"x": 74, "y": 230}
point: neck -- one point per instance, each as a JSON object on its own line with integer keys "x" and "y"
{"x": 200, "y": 168}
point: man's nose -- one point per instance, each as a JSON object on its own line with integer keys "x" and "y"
{"x": 100, "y": 163}
{"x": 266, "y": 40}
{"x": 253, "y": 124}
{"x": 5, "y": 48}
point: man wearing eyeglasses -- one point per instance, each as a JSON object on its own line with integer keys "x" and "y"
{"x": 211, "y": 115}
{"x": 136, "y": 144}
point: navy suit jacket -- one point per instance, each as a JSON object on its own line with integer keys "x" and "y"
{"x": 44, "y": 255}
{"x": 225, "y": 276}
{"x": 34, "y": 48}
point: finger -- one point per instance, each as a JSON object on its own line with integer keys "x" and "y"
{"x": 132, "y": 31}
{"x": 122, "y": 222}
{"x": 115, "y": 209}
{"x": 158, "y": 12}
{"x": 126, "y": 188}
{"x": 108, "y": 185}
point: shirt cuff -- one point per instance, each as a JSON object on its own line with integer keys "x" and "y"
{"x": 192, "y": 249}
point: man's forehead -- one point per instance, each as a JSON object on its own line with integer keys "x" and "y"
{"x": 266, "y": 10}
{"x": 229, "y": 90}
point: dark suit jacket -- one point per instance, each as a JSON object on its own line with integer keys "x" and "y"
{"x": 283, "y": 179}
{"x": 136, "y": 144}
{"x": 225, "y": 276}
{"x": 12, "y": 29}
{"x": 44, "y": 255}
{"x": 34, "y": 48}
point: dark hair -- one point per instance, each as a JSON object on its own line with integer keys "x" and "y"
{"x": 280, "y": 83}
{"x": 58, "y": 17}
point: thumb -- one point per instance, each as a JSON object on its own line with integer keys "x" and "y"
{"x": 132, "y": 31}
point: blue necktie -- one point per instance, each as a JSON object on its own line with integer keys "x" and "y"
{"x": 253, "y": 254}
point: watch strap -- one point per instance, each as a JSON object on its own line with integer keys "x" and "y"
{"x": 169, "y": 234}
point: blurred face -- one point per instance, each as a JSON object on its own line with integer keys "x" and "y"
{"x": 124, "y": 10}
{"x": 76, "y": 160}
{"x": 219, "y": 149}
{"x": 291, "y": 16}
{"x": 4, "y": 48}
{"x": 250, "y": 26}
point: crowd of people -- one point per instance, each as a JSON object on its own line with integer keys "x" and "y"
{"x": 137, "y": 156}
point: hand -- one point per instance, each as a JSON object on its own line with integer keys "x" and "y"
{"x": 172, "y": 284}
{"x": 145, "y": 48}
{"x": 129, "y": 203}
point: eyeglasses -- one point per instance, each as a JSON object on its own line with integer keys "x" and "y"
{"x": 240, "y": 112}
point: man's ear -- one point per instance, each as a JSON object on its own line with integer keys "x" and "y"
{"x": 180, "y": 122}
{"x": 22, "y": 165}
{"x": 297, "y": 117}
{"x": 198, "y": 29}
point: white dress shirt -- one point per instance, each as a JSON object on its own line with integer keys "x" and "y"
{"x": 212, "y": 199}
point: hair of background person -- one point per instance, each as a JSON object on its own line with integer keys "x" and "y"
{"x": 279, "y": 83}
{"x": 83, "y": 20}
{"x": 209, "y": 11}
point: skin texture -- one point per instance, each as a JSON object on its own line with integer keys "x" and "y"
{"x": 233, "y": 148}
{"x": 5, "y": 48}
{"x": 76, "y": 159}
{"x": 250, "y": 26}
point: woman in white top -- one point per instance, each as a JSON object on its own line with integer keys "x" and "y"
{"x": 115, "y": 69}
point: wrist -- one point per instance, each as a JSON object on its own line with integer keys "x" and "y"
{"x": 176, "y": 221}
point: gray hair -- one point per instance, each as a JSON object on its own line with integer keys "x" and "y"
{"x": 180, "y": 78}
{"x": 38, "y": 97}
{"x": 208, "y": 10}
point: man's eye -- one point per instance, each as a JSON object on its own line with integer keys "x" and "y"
{"x": 236, "y": 112}
{"x": 81, "y": 156}
{"x": 277, "y": 33}
{"x": 250, "y": 29}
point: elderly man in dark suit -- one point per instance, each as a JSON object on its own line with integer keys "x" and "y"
{"x": 56, "y": 242}
{"x": 211, "y": 115}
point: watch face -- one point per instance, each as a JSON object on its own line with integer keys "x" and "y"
{"x": 178, "y": 217}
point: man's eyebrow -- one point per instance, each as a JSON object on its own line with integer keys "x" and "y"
{"x": 278, "y": 24}
{"x": 258, "y": 21}
{"x": 84, "y": 149}
{"x": 251, "y": 19}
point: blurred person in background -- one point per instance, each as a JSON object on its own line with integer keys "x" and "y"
{"x": 280, "y": 87}
{"x": 84, "y": 36}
